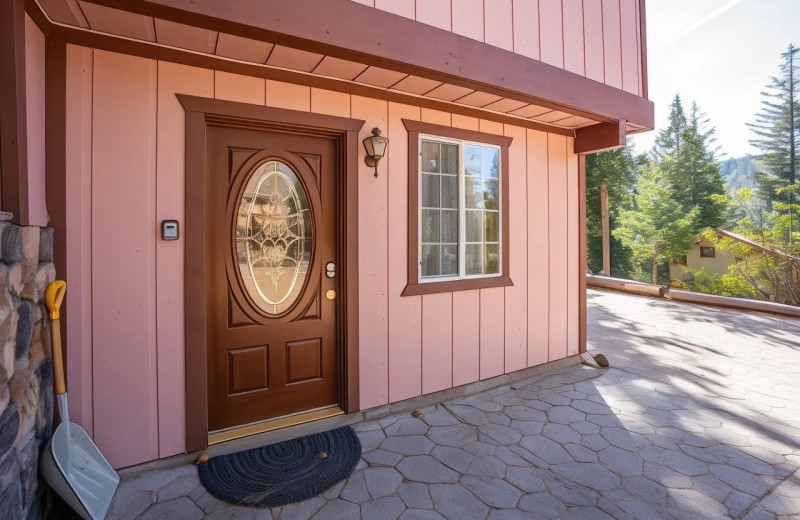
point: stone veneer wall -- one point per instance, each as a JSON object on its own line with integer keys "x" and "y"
{"x": 26, "y": 366}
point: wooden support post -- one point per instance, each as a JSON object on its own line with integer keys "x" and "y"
{"x": 606, "y": 238}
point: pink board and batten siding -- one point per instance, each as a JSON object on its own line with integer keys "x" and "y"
{"x": 598, "y": 39}
{"x": 125, "y": 343}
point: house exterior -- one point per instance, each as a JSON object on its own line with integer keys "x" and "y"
{"x": 703, "y": 255}
{"x": 231, "y": 258}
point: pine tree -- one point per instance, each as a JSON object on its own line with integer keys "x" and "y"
{"x": 669, "y": 140}
{"x": 777, "y": 129}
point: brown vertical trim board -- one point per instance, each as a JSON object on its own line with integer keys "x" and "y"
{"x": 643, "y": 46}
{"x": 413, "y": 287}
{"x": 200, "y": 113}
{"x": 582, "y": 330}
{"x": 13, "y": 117}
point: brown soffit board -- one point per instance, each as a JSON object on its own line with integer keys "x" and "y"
{"x": 148, "y": 50}
{"x": 351, "y": 31}
{"x": 413, "y": 287}
{"x": 600, "y": 137}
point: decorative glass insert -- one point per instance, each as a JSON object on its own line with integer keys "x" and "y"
{"x": 273, "y": 237}
{"x": 459, "y": 213}
{"x": 439, "y": 209}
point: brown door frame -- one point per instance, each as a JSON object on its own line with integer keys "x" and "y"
{"x": 200, "y": 113}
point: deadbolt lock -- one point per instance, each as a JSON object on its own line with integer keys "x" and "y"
{"x": 330, "y": 269}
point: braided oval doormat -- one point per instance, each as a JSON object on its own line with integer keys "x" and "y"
{"x": 282, "y": 473}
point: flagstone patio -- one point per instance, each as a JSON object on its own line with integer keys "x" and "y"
{"x": 698, "y": 417}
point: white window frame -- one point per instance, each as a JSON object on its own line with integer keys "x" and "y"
{"x": 462, "y": 212}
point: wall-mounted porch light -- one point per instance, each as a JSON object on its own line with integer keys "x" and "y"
{"x": 375, "y": 145}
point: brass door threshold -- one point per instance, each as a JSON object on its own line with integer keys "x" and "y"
{"x": 269, "y": 425}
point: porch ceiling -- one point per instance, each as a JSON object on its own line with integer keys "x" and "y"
{"x": 95, "y": 18}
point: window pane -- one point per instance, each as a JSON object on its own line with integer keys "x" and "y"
{"x": 472, "y": 160}
{"x": 431, "y": 256}
{"x": 474, "y": 259}
{"x": 491, "y": 219}
{"x": 430, "y": 157}
{"x": 491, "y": 162}
{"x": 492, "y": 265}
{"x": 430, "y": 225}
{"x": 450, "y": 260}
{"x": 449, "y": 191}
{"x": 491, "y": 194}
{"x": 449, "y": 155}
{"x": 430, "y": 191}
{"x": 474, "y": 226}
{"x": 450, "y": 227}
{"x": 473, "y": 196}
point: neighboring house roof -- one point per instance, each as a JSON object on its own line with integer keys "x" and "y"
{"x": 774, "y": 251}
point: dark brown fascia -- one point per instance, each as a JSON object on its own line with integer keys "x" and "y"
{"x": 600, "y": 137}
{"x": 351, "y": 31}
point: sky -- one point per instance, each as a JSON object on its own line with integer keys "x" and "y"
{"x": 719, "y": 53}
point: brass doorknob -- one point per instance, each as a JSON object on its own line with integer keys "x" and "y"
{"x": 330, "y": 294}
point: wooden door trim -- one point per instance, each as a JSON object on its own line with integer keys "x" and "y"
{"x": 200, "y": 113}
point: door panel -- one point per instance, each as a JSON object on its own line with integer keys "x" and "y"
{"x": 271, "y": 339}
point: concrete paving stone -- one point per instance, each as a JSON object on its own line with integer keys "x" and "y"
{"x": 507, "y": 398}
{"x": 622, "y": 462}
{"x": 454, "y": 502}
{"x": 508, "y": 514}
{"x": 179, "y": 487}
{"x": 528, "y": 427}
{"x": 705, "y": 440}
{"x": 585, "y": 428}
{"x": 498, "y": 418}
{"x": 407, "y": 445}
{"x": 624, "y": 439}
{"x": 487, "y": 467}
{"x": 456, "y": 435}
{"x": 711, "y": 486}
{"x": 426, "y": 469}
{"x": 501, "y": 434}
{"x": 543, "y": 505}
{"x": 546, "y": 449}
{"x": 575, "y": 395}
{"x": 703, "y": 454}
{"x": 480, "y": 448}
{"x": 570, "y": 493}
{"x": 178, "y": 509}
{"x": 690, "y": 505}
{"x": 407, "y": 426}
{"x": 337, "y": 510}
{"x": 580, "y": 453}
{"x": 205, "y": 500}
{"x": 415, "y": 495}
{"x": 421, "y": 514}
{"x": 380, "y": 457}
{"x": 602, "y": 420}
{"x": 366, "y": 426}
{"x": 742, "y": 480}
{"x": 639, "y": 509}
{"x": 333, "y": 492}
{"x": 759, "y": 513}
{"x": 525, "y": 413}
{"x": 665, "y": 476}
{"x": 561, "y": 433}
{"x": 130, "y": 502}
{"x": 439, "y": 418}
{"x": 528, "y": 479}
{"x": 509, "y": 457}
{"x": 233, "y": 513}
{"x": 586, "y": 406}
{"x": 565, "y": 415}
{"x": 389, "y": 420}
{"x": 370, "y": 439}
{"x": 780, "y": 505}
{"x": 742, "y": 460}
{"x": 767, "y": 456}
{"x": 737, "y": 502}
{"x": 585, "y": 513}
{"x": 152, "y": 480}
{"x": 382, "y": 482}
{"x": 594, "y": 442}
{"x": 646, "y": 489}
{"x": 494, "y": 492}
{"x": 454, "y": 458}
{"x": 591, "y": 475}
{"x": 355, "y": 490}
{"x": 300, "y": 510}
{"x": 483, "y": 404}
{"x": 684, "y": 464}
{"x": 387, "y": 508}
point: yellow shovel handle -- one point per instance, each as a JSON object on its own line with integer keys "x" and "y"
{"x": 53, "y": 298}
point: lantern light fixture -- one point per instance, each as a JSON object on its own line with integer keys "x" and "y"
{"x": 376, "y": 146}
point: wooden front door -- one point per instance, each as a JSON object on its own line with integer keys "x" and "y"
{"x": 272, "y": 284}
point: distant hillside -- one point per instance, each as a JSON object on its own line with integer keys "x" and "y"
{"x": 738, "y": 172}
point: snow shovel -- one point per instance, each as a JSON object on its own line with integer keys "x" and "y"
{"x": 71, "y": 463}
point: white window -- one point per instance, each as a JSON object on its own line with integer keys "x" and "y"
{"x": 459, "y": 209}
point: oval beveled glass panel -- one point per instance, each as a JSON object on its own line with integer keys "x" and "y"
{"x": 273, "y": 237}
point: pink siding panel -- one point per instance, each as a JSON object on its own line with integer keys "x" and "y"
{"x": 468, "y": 19}
{"x": 573, "y": 36}
{"x": 557, "y": 153}
{"x": 329, "y": 102}
{"x": 170, "y": 185}
{"x": 526, "y": 28}
{"x": 538, "y": 249}
{"x": 612, "y": 51}
{"x": 123, "y": 258}
{"x": 373, "y": 249}
{"x": 551, "y": 33}
{"x": 572, "y": 250}
{"x": 630, "y": 45}
{"x": 78, "y": 304}
{"x": 434, "y": 12}
{"x": 492, "y": 304}
{"x": 235, "y": 87}
{"x": 466, "y": 337}
{"x": 437, "y": 342}
{"x": 287, "y": 95}
{"x": 35, "y": 110}
{"x": 405, "y": 312}
{"x": 593, "y": 39}
{"x": 404, "y": 8}
{"x": 499, "y": 24}
{"x": 516, "y": 297}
